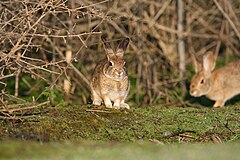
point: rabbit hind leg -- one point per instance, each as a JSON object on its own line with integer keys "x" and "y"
{"x": 97, "y": 100}
{"x": 124, "y": 105}
{"x": 120, "y": 104}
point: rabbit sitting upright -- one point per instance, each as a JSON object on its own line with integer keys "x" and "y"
{"x": 219, "y": 85}
{"x": 109, "y": 81}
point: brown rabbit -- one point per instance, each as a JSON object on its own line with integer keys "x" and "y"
{"x": 110, "y": 80}
{"x": 219, "y": 85}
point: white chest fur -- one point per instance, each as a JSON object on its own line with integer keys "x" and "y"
{"x": 113, "y": 95}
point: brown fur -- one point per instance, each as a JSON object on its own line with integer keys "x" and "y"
{"x": 109, "y": 81}
{"x": 219, "y": 85}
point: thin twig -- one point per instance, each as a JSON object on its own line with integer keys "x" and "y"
{"x": 99, "y": 111}
{"x": 228, "y": 18}
{"x": 18, "y": 108}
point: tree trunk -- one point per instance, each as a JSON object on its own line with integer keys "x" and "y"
{"x": 181, "y": 44}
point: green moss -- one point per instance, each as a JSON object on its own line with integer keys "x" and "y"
{"x": 77, "y": 123}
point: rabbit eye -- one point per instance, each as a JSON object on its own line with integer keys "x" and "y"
{"x": 110, "y": 63}
{"x": 202, "y": 81}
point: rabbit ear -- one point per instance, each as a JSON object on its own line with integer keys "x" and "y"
{"x": 196, "y": 64}
{"x": 209, "y": 61}
{"x": 122, "y": 47}
{"x": 107, "y": 46}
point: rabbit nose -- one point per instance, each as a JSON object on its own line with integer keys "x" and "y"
{"x": 193, "y": 92}
{"x": 120, "y": 73}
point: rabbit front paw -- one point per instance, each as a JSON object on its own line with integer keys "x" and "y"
{"x": 107, "y": 102}
{"x": 97, "y": 102}
{"x": 116, "y": 104}
{"x": 219, "y": 104}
